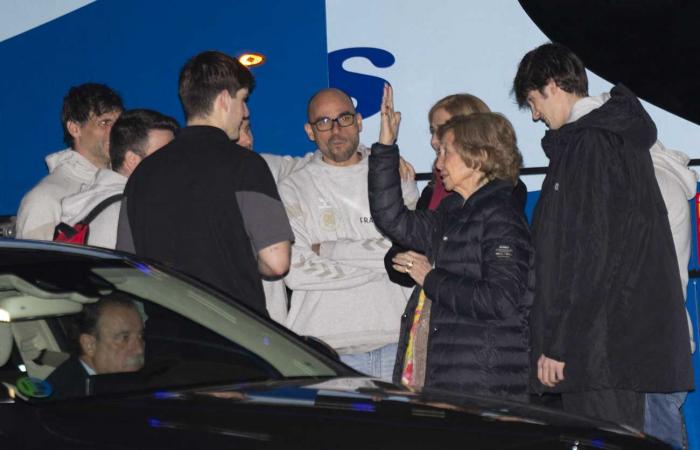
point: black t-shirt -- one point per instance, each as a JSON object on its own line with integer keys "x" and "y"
{"x": 206, "y": 206}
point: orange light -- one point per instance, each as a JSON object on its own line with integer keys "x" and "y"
{"x": 251, "y": 59}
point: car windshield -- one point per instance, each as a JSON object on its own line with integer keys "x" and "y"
{"x": 192, "y": 335}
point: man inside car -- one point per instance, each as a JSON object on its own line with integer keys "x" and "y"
{"x": 110, "y": 340}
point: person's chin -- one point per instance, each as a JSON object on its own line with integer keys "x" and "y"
{"x": 342, "y": 155}
{"x": 134, "y": 365}
{"x": 339, "y": 149}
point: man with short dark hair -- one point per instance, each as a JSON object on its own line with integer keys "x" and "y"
{"x": 110, "y": 340}
{"x": 136, "y": 134}
{"x": 341, "y": 292}
{"x": 607, "y": 322}
{"x": 88, "y": 113}
{"x": 203, "y": 204}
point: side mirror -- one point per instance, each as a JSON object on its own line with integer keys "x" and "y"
{"x": 321, "y": 347}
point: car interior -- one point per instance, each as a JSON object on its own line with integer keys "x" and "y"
{"x": 38, "y": 309}
{"x": 28, "y": 344}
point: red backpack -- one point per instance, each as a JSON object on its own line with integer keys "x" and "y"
{"x": 78, "y": 233}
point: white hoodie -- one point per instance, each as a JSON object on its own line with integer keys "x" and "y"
{"x": 342, "y": 296}
{"x": 40, "y": 209}
{"x": 677, "y": 184}
{"x": 282, "y": 166}
{"x": 275, "y": 291}
{"x": 103, "y": 229}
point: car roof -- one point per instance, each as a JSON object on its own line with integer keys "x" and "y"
{"x": 68, "y": 249}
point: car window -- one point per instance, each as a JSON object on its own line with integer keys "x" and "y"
{"x": 236, "y": 324}
{"x": 193, "y": 335}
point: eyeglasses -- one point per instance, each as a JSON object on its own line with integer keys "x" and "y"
{"x": 326, "y": 123}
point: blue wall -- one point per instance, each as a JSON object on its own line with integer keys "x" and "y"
{"x": 138, "y": 48}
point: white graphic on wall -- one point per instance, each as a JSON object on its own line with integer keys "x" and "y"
{"x": 18, "y": 16}
{"x": 428, "y": 50}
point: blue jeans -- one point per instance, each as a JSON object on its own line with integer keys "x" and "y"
{"x": 378, "y": 363}
{"x": 663, "y": 418}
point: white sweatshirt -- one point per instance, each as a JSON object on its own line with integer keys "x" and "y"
{"x": 103, "y": 229}
{"x": 40, "y": 209}
{"x": 342, "y": 296}
{"x": 677, "y": 184}
{"x": 275, "y": 291}
{"x": 283, "y": 165}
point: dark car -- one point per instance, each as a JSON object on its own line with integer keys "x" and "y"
{"x": 219, "y": 376}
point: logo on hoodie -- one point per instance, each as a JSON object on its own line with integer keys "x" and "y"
{"x": 329, "y": 219}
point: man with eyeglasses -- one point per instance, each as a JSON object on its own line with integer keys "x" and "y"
{"x": 88, "y": 113}
{"x": 341, "y": 293}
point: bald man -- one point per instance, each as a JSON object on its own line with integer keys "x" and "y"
{"x": 341, "y": 293}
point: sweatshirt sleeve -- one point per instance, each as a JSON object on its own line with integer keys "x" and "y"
{"x": 37, "y": 217}
{"x": 282, "y": 166}
{"x": 309, "y": 271}
{"x": 409, "y": 191}
{"x": 367, "y": 253}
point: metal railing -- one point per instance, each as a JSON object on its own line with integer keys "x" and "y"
{"x": 7, "y": 223}
{"x": 427, "y": 176}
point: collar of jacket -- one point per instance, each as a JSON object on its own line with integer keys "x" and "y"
{"x": 456, "y": 201}
{"x": 199, "y": 132}
{"x": 622, "y": 114}
{"x": 71, "y": 161}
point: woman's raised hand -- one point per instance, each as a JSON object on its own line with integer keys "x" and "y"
{"x": 390, "y": 120}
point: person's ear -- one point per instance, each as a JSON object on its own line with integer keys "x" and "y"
{"x": 310, "y": 132}
{"x": 223, "y": 100}
{"x": 551, "y": 88}
{"x": 88, "y": 343}
{"x": 131, "y": 160}
{"x": 73, "y": 128}
{"x": 358, "y": 121}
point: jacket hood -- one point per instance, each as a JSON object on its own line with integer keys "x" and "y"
{"x": 672, "y": 162}
{"x": 675, "y": 164}
{"x": 71, "y": 161}
{"x": 586, "y": 105}
{"x": 621, "y": 113}
{"x": 107, "y": 183}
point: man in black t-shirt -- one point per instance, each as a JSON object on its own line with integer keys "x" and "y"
{"x": 203, "y": 204}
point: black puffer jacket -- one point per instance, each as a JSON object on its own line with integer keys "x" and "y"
{"x": 404, "y": 279}
{"x": 397, "y": 277}
{"x": 481, "y": 287}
